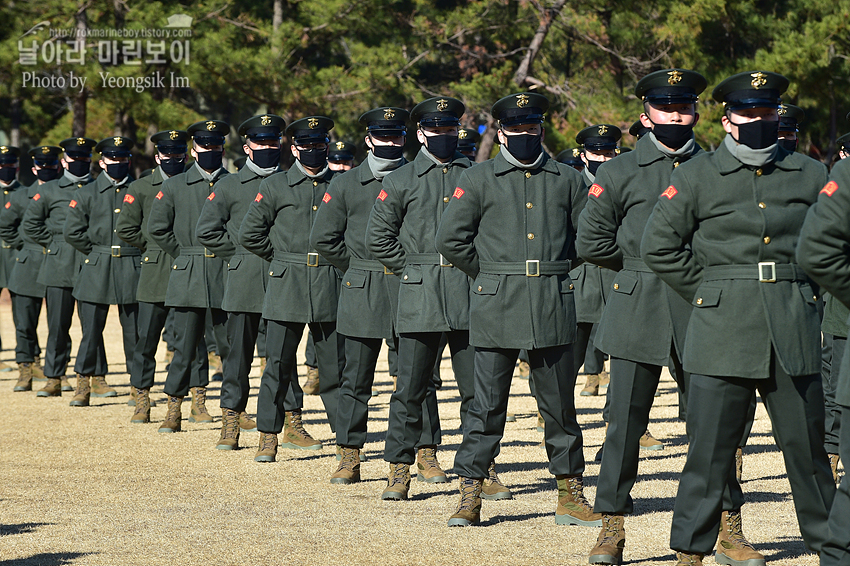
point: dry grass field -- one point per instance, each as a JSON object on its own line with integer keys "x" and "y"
{"x": 82, "y": 486}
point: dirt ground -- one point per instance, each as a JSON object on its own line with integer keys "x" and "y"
{"x": 83, "y": 486}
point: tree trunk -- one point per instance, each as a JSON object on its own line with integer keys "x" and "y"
{"x": 488, "y": 140}
{"x": 546, "y": 18}
{"x": 78, "y": 104}
{"x": 15, "y": 119}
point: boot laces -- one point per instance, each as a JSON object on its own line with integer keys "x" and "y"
{"x": 143, "y": 402}
{"x": 397, "y": 473}
{"x": 268, "y": 442}
{"x": 469, "y": 494}
{"x": 428, "y": 456}
{"x": 230, "y": 424}
{"x": 199, "y": 395}
{"x": 688, "y": 558}
{"x": 576, "y": 489}
{"x": 736, "y": 531}
{"x": 491, "y": 474}
{"x": 611, "y": 529}
{"x": 297, "y": 426}
{"x": 173, "y": 409}
{"x": 348, "y": 459}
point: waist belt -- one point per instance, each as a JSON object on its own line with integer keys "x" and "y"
{"x": 311, "y": 259}
{"x": 764, "y": 272}
{"x": 196, "y": 250}
{"x": 635, "y": 264}
{"x": 35, "y": 248}
{"x": 369, "y": 265}
{"x": 117, "y": 251}
{"x": 427, "y": 259}
{"x": 529, "y": 267}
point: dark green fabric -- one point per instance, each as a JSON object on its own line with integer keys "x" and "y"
{"x": 7, "y": 252}
{"x": 29, "y": 255}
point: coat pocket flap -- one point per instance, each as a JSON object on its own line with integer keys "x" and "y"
{"x": 411, "y": 274}
{"x": 485, "y": 286}
{"x": 707, "y": 297}
{"x": 181, "y": 262}
{"x": 91, "y": 259}
{"x": 625, "y": 283}
{"x": 234, "y": 262}
{"x": 152, "y": 257}
{"x": 276, "y": 268}
{"x": 355, "y": 279}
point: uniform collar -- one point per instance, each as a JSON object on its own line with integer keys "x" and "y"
{"x": 502, "y": 166}
{"x": 13, "y": 185}
{"x": 728, "y": 163}
{"x": 422, "y": 163}
{"x": 648, "y": 153}
{"x": 364, "y": 173}
{"x": 246, "y": 174}
{"x": 157, "y": 177}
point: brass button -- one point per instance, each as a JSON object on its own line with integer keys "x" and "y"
{"x": 315, "y": 207}
{"x": 530, "y": 236}
{"x": 315, "y": 183}
{"x": 445, "y": 199}
{"x": 117, "y": 210}
{"x": 528, "y": 174}
{"x": 211, "y": 183}
{"x": 146, "y": 258}
{"x": 571, "y": 286}
{"x": 480, "y": 288}
{"x": 616, "y": 286}
{"x": 676, "y": 164}
{"x": 529, "y": 205}
{"x": 87, "y": 261}
{"x": 758, "y": 172}
{"x": 79, "y": 185}
{"x": 173, "y": 267}
{"x": 762, "y": 205}
{"x": 699, "y": 301}
{"x": 271, "y": 272}
{"x": 405, "y": 277}
{"x": 117, "y": 190}
{"x": 348, "y": 283}
{"x": 767, "y": 239}
{"x": 445, "y": 169}
{"x": 48, "y": 251}
{"x": 815, "y": 297}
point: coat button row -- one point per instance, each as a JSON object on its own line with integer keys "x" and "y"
{"x": 445, "y": 199}
{"x": 117, "y": 210}
{"x": 445, "y": 169}
{"x": 759, "y": 172}
{"x": 530, "y": 236}
{"x": 315, "y": 183}
{"x": 87, "y": 261}
{"x": 271, "y": 273}
{"x": 117, "y": 190}
{"x": 676, "y": 164}
{"x": 616, "y": 286}
{"x": 529, "y": 206}
{"x": 348, "y": 283}
{"x": 315, "y": 207}
{"x": 528, "y": 174}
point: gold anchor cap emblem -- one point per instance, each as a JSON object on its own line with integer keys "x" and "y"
{"x": 44, "y": 149}
{"x": 210, "y": 125}
{"x": 576, "y": 152}
{"x": 389, "y": 114}
{"x": 173, "y": 134}
{"x": 783, "y": 110}
{"x": 340, "y": 145}
{"x": 265, "y": 120}
{"x": 759, "y": 80}
{"x": 442, "y": 104}
{"x": 4, "y": 149}
{"x": 674, "y": 78}
{"x": 312, "y": 123}
{"x": 603, "y": 129}
{"x": 118, "y": 141}
{"x": 462, "y": 134}
{"x": 81, "y": 141}
{"x": 521, "y": 101}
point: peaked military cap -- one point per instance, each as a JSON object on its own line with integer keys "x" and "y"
{"x": 751, "y": 89}
{"x": 520, "y": 108}
{"x": 571, "y": 157}
{"x": 386, "y": 121}
{"x": 9, "y": 154}
{"x": 844, "y": 142}
{"x": 45, "y": 155}
{"x": 671, "y": 86}
{"x": 78, "y": 147}
{"x": 467, "y": 137}
{"x": 790, "y": 118}
{"x": 265, "y": 127}
{"x": 116, "y": 146}
{"x": 170, "y": 141}
{"x": 438, "y": 111}
{"x": 209, "y": 132}
{"x": 599, "y": 137}
{"x": 341, "y": 151}
{"x": 638, "y": 130}
{"x": 312, "y": 129}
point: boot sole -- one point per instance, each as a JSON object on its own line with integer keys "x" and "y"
{"x": 79, "y": 404}
{"x": 291, "y": 446}
{"x": 497, "y": 496}
{"x": 194, "y": 420}
{"x": 20, "y": 389}
{"x": 510, "y": 419}
{"x": 588, "y": 394}
{"x": 721, "y": 558}
{"x": 435, "y": 479}
{"x": 344, "y": 481}
{"x": 264, "y": 459}
{"x": 110, "y": 394}
{"x": 42, "y": 393}
{"x": 248, "y": 429}
{"x": 570, "y": 520}
{"x": 394, "y": 496}
{"x": 166, "y": 430}
{"x": 67, "y": 388}
{"x": 139, "y": 421}
{"x": 658, "y": 447}
{"x": 605, "y": 559}
{"x": 541, "y": 429}
{"x": 455, "y": 522}
{"x": 375, "y": 393}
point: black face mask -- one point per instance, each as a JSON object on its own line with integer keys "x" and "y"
{"x": 173, "y": 166}
{"x": 313, "y": 158}
{"x": 79, "y": 168}
{"x": 266, "y": 158}
{"x": 442, "y": 146}
{"x": 392, "y": 152}
{"x": 790, "y": 145}
{"x": 118, "y": 170}
{"x": 525, "y": 147}
{"x": 593, "y": 166}
{"x": 673, "y": 136}
{"x": 7, "y": 174}
{"x": 48, "y": 174}
{"x": 759, "y": 134}
{"x": 209, "y": 160}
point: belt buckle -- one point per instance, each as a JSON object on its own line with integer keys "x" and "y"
{"x": 387, "y": 271}
{"x": 313, "y": 259}
{"x": 116, "y": 251}
{"x": 208, "y": 253}
{"x": 772, "y": 266}
{"x": 444, "y": 263}
{"x": 532, "y": 268}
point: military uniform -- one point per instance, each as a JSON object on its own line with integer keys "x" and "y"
{"x": 822, "y": 253}
{"x": 9, "y": 156}
{"x": 755, "y": 325}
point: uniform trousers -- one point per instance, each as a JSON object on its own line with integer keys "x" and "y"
{"x": 189, "y": 324}
{"x": 417, "y": 354}
{"x": 60, "y": 311}
{"x": 152, "y": 318}
{"x": 592, "y": 359}
{"x": 91, "y": 355}
{"x": 168, "y": 331}
{"x": 836, "y": 549}
{"x": 280, "y": 376}
{"x": 215, "y": 335}
{"x": 717, "y": 414}
{"x": 25, "y": 313}
{"x": 310, "y": 352}
{"x": 832, "y": 355}
{"x": 554, "y": 381}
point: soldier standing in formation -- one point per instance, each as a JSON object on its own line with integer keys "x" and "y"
{"x": 9, "y": 165}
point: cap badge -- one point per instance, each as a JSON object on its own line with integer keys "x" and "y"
{"x": 44, "y": 149}
{"x": 576, "y": 152}
{"x": 389, "y": 114}
{"x": 4, "y": 149}
{"x": 759, "y": 80}
{"x": 265, "y": 120}
{"x": 603, "y": 129}
{"x": 462, "y": 134}
{"x": 783, "y": 110}
{"x": 521, "y": 101}
{"x": 118, "y": 141}
{"x": 210, "y": 125}
{"x": 674, "y": 78}
{"x": 81, "y": 141}
{"x": 340, "y": 145}
{"x": 312, "y": 123}
{"x": 442, "y": 104}
{"x": 173, "y": 134}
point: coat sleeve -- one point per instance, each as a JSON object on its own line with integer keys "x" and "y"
{"x": 211, "y": 229}
{"x": 456, "y": 235}
{"x": 328, "y": 234}
{"x": 384, "y": 226}
{"x": 579, "y": 201}
{"x": 77, "y": 223}
{"x": 129, "y": 224}
{"x": 161, "y": 222}
{"x": 668, "y": 232}
{"x": 598, "y": 223}
{"x": 824, "y": 246}
{"x": 10, "y": 221}
{"x": 33, "y": 223}
{"x": 258, "y": 222}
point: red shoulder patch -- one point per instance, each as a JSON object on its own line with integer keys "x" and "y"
{"x": 212, "y": 196}
{"x": 670, "y": 192}
{"x": 159, "y": 195}
{"x": 129, "y": 198}
{"x": 458, "y": 192}
{"x": 258, "y": 198}
{"x": 72, "y": 204}
{"x": 326, "y": 198}
{"x": 595, "y": 190}
{"x": 382, "y": 195}
{"x": 37, "y": 196}
{"x": 8, "y": 205}
{"x": 830, "y": 188}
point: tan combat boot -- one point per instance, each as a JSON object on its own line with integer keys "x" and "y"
{"x": 649, "y": 442}
{"x": 688, "y": 559}
{"x": 833, "y": 465}
{"x": 66, "y": 385}
{"x": 591, "y": 388}
{"x": 37, "y": 370}
{"x": 469, "y": 509}
{"x": 267, "y": 451}
{"x": 295, "y": 436}
{"x": 4, "y": 367}
{"x": 398, "y": 482}
{"x": 99, "y": 387}
{"x": 493, "y": 489}
{"x": 610, "y": 542}
{"x": 348, "y": 471}
{"x": 524, "y": 369}
{"x": 24, "y": 377}
{"x": 246, "y": 423}
{"x": 732, "y": 547}
{"x": 573, "y": 508}
{"x": 427, "y": 467}
{"x": 739, "y": 464}
{"x": 199, "y": 413}
{"x": 53, "y": 388}
{"x": 173, "y": 416}
{"x": 311, "y": 386}
{"x": 215, "y": 366}
{"x": 82, "y": 394}
{"x": 229, "y": 439}
{"x": 604, "y": 380}
{"x": 142, "y": 412}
